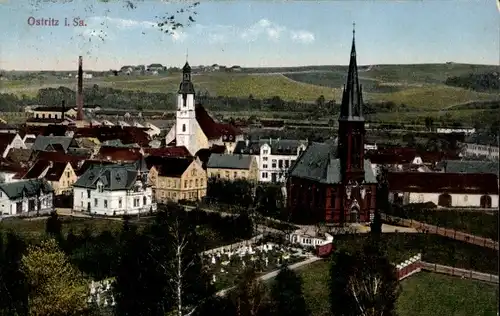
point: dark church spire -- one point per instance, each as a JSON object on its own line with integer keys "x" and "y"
{"x": 186, "y": 86}
{"x": 352, "y": 101}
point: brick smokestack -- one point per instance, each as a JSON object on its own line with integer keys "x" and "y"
{"x": 79, "y": 95}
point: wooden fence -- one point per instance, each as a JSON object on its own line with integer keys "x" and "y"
{"x": 469, "y": 274}
{"x": 432, "y": 229}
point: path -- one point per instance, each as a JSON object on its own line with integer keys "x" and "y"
{"x": 274, "y": 273}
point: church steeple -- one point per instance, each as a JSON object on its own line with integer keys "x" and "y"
{"x": 352, "y": 100}
{"x": 186, "y": 86}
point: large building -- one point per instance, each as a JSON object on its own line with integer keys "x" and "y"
{"x": 332, "y": 181}
{"x": 194, "y": 128}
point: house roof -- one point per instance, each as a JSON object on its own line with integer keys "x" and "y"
{"x": 319, "y": 163}
{"x": 436, "y": 182}
{"x": 468, "y": 166}
{"x": 50, "y": 143}
{"x": 205, "y": 153}
{"x": 55, "y": 156}
{"x": 174, "y": 151}
{"x": 5, "y": 140}
{"x": 30, "y": 188}
{"x": 213, "y": 129}
{"x": 114, "y": 177}
{"x": 224, "y": 161}
{"x": 19, "y": 155}
{"x": 278, "y": 146}
{"x": 58, "y": 109}
{"x": 119, "y": 153}
{"x": 37, "y": 169}
{"x": 169, "y": 166}
{"x": 126, "y": 134}
{"x": 54, "y": 130}
{"x": 56, "y": 172}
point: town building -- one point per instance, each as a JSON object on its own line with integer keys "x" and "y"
{"x": 194, "y": 128}
{"x": 175, "y": 179}
{"x": 27, "y": 197}
{"x": 60, "y": 175}
{"x": 53, "y": 112}
{"x": 10, "y": 141}
{"x": 481, "y": 150}
{"x": 464, "y": 190}
{"x": 114, "y": 189}
{"x": 333, "y": 181}
{"x": 274, "y": 156}
{"x": 54, "y": 143}
{"x": 233, "y": 167}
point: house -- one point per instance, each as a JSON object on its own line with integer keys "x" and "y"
{"x": 11, "y": 172}
{"x": 156, "y": 67}
{"x": 114, "y": 189}
{"x": 127, "y": 69}
{"x": 60, "y": 175}
{"x": 49, "y": 121}
{"x": 152, "y": 130}
{"x": 332, "y": 181}
{"x": 468, "y": 166}
{"x": 53, "y": 112}
{"x": 233, "y": 167}
{"x": 481, "y": 149}
{"x": 174, "y": 151}
{"x": 19, "y": 156}
{"x": 194, "y": 128}
{"x": 27, "y": 197}
{"x": 450, "y": 130}
{"x": 274, "y": 156}
{"x": 9, "y": 141}
{"x": 177, "y": 179}
{"x": 54, "y": 143}
{"x": 444, "y": 189}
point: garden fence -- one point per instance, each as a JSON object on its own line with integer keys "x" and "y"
{"x": 469, "y": 274}
{"x": 451, "y": 233}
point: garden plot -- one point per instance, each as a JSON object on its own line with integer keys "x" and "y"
{"x": 225, "y": 266}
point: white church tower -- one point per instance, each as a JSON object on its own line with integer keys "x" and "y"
{"x": 186, "y": 124}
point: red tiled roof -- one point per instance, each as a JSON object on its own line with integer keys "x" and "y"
{"x": 119, "y": 154}
{"x": 126, "y": 134}
{"x": 55, "y": 173}
{"x": 55, "y": 130}
{"x": 56, "y": 156}
{"x": 212, "y": 129}
{"x": 174, "y": 151}
{"x": 169, "y": 166}
{"x": 436, "y": 182}
{"x": 5, "y": 140}
{"x": 37, "y": 169}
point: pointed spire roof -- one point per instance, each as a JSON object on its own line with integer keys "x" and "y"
{"x": 352, "y": 99}
{"x": 186, "y": 86}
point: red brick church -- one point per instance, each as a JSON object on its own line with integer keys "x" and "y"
{"x": 332, "y": 181}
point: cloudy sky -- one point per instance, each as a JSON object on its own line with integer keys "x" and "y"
{"x": 248, "y": 33}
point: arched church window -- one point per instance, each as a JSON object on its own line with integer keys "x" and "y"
{"x": 183, "y": 127}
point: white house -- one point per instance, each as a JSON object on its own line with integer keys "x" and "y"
{"x": 449, "y": 130}
{"x": 462, "y": 190}
{"x": 9, "y": 141}
{"x": 480, "y": 150}
{"x": 153, "y": 130}
{"x": 274, "y": 156}
{"x": 26, "y": 197}
{"x": 305, "y": 238}
{"x": 114, "y": 189}
{"x": 194, "y": 128}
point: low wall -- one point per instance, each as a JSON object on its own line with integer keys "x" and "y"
{"x": 409, "y": 267}
{"x": 451, "y": 233}
{"x": 469, "y": 274}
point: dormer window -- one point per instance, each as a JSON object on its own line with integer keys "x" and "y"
{"x": 100, "y": 188}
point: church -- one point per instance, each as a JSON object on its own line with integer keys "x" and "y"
{"x": 333, "y": 182}
{"x": 194, "y": 128}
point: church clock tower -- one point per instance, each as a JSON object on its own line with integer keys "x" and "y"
{"x": 186, "y": 113}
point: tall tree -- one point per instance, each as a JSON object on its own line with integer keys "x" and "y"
{"x": 341, "y": 266}
{"x": 53, "y": 227}
{"x": 249, "y": 296}
{"x": 286, "y": 288}
{"x": 55, "y": 286}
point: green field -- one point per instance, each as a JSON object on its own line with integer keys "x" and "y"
{"x": 423, "y": 294}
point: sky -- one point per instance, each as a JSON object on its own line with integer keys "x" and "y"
{"x": 256, "y": 33}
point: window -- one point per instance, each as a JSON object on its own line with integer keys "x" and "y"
{"x": 105, "y": 203}
{"x": 190, "y": 183}
{"x": 280, "y": 163}
{"x": 265, "y": 152}
{"x": 264, "y": 158}
{"x": 43, "y": 116}
{"x": 466, "y": 198}
{"x": 273, "y": 165}
{"x": 235, "y": 174}
{"x": 68, "y": 174}
{"x": 196, "y": 183}
{"x": 50, "y": 115}
{"x": 88, "y": 194}
{"x": 96, "y": 202}
{"x": 193, "y": 173}
{"x": 287, "y": 164}
{"x": 227, "y": 174}
{"x": 144, "y": 200}
{"x": 264, "y": 166}
{"x": 185, "y": 183}
{"x": 183, "y": 127}
{"x": 120, "y": 203}
{"x": 264, "y": 175}
{"x": 81, "y": 195}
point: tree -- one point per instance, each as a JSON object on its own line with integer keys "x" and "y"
{"x": 363, "y": 284}
{"x": 53, "y": 227}
{"x": 55, "y": 286}
{"x": 287, "y": 288}
{"x": 320, "y": 102}
{"x": 249, "y": 294}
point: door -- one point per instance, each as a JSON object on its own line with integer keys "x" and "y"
{"x": 274, "y": 177}
{"x": 354, "y": 215}
{"x": 485, "y": 201}
{"x": 19, "y": 207}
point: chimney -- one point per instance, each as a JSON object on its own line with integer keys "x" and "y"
{"x": 79, "y": 96}
{"x": 63, "y": 109}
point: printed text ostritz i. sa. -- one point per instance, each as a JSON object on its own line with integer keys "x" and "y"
{"x": 32, "y": 21}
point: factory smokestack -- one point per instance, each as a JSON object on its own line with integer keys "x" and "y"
{"x": 79, "y": 95}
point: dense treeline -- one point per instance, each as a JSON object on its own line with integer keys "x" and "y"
{"x": 484, "y": 82}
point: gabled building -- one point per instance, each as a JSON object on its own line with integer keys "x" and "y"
{"x": 9, "y": 141}
{"x": 177, "y": 179}
{"x": 54, "y": 143}
{"x": 27, "y": 197}
{"x": 60, "y": 175}
{"x": 333, "y": 181}
{"x": 114, "y": 189}
{"x": 194, "y": 128}
{"x": 233, "y": 167}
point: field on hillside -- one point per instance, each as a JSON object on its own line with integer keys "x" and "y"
{"x": 423, "y": 294}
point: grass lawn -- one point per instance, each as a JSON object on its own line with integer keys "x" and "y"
{"x": 423, "y": 294}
